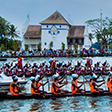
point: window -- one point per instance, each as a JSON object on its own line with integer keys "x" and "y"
{"x": 73, "y": 40}
{"x": 58, "y": 32}
{"x": 80, "y": 41}
{"x": 47, "y": 26}
{"x": 49, "y": 31}
{"x": 45, "y": 43}
{"x": 60, "y": 26}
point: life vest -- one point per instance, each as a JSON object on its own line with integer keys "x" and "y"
{"x": 108, "y": 81}
{"x": 92, "y": 88}
{"x": 74, "y": 89}
{"x": 110, "y": 85}
{"x": 54, "y": 89}
{"x": 13, "y": 90}
{"x": 33, "y": 91}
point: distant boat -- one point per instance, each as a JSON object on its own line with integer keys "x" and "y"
{"x": 5, "y": 81}
{"x": 3, "y": 59}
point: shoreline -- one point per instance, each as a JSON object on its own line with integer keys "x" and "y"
{"x": 109, "y": 55}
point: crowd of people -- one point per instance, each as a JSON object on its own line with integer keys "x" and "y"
{"x": 59, "y": 72}
{"x": 58, "y": 82}
{"x": 54, "y": 66}
{"x": 58, "y": 53}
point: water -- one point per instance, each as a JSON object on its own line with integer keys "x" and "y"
{"x": 67, "y": 104}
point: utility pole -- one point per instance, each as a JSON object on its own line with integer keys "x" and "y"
{"x": 101, "y": 29}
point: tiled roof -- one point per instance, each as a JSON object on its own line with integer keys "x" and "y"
{"x": 55, "y": 18}
{"x": 76, "y": 32}
{"x": 33, "y": 32}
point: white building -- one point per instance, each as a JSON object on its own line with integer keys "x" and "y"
{"x": 54, "y": 29}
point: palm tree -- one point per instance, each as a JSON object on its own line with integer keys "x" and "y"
{"x": 4, "y": 30}
{"x": 13, "y": 31}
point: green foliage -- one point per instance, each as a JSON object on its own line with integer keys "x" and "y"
{"x": 26, "y": 47}
{"x": 91, "y": 37}
{"x": 110, "y": 46}
{"x": 7, "y": 32}
{"x": 14, "y": 45}
{"x": 39, "y": 47}
{"x": 12, "y": 31}
{"x": 51, "y": 45}
{"x": 4, "y": 27}
{"x": 75, "y": 46}
{"x": 2, "y": 47}
{"x": 63, "y": 46}
{"x": 103, "y": 33}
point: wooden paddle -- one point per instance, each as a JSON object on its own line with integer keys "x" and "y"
{"x": 83, "y": 80}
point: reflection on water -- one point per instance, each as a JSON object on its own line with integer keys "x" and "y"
{"x": 56, "y": 104}
{"x": 92, "y": 102}
{"x": 36, "y": 105}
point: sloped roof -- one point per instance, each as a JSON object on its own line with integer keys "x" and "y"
{"x": 76, "y": 32}
{"x": 33, "y": 32}
{"x": 55, "y": 18}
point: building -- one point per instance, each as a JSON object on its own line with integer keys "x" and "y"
{"x": 56, "y": 30}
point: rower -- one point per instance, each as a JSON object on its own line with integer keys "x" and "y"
{"x": 109, "y": 82}
{"x": 35, "y": 85}
{"x": 34, "y": 89}
{"x": 55, "y": 85}
{"x": 93, "y": 86}
{"x": 39, "y": 84}
{"x": 74, "y": 85}
{"x": 20, "y": 61}
{"x": 15, "y": 88}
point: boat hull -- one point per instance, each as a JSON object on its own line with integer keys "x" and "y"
{"x": 49, "y": 95}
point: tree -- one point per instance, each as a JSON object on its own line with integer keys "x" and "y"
{"x": 39, "y": 47}
{"x": 102, "y": 34}
{"x": 91, "y": 37}
{"x": 63, "y": 46}
{"x": 13, "y": 31}
{"x": 26, "y": 47}
{"x": 75, "y": 46}
{"x": 2, "y": 47}
{"x": 51, "y": 45}
{"x": 7, "y": 30}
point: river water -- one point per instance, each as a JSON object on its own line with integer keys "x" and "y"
{"x": 67, "y": 104}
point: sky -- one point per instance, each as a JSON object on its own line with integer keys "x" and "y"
{"x": 76, "y": 12}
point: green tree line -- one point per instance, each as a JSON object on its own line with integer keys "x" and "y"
{"x": 101, "y": 29}
{"x": 8, "y": 35}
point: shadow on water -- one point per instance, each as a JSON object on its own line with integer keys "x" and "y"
{"x": 92, "y": 103}
{"x": 77, "y": 103}
{"x": 36, "y": 106}
{"x": 56, "y": 104}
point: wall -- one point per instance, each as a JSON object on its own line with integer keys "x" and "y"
{"x": 55, "y": 33}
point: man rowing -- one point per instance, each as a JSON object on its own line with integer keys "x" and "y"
{"x": 109, "y": 82}
{"x": 20, "y": 61}
{"x": 75, "y": 89}
{"x": 57, "y": 84}
{"x": 35, "y": 85}
{"x": 15, "y": 89}
{"x": 94, "y": 88}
